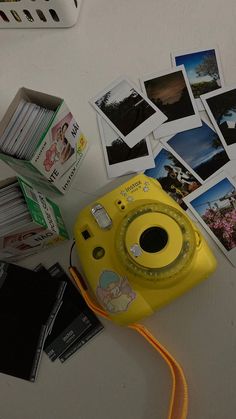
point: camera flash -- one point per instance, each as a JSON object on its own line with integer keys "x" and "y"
{"x": 101, "y": 216}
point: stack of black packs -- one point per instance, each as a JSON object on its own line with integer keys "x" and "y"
{"x": 74, "y": 325}
{"x": 40, "y": 310}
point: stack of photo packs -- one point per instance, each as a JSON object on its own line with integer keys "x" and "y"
{"x": 75, "y": 324}
{"x": 29, "y": 221}
{"x": 40, "y": 310}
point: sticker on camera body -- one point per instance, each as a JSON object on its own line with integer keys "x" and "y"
{"x": 114, "y": 292}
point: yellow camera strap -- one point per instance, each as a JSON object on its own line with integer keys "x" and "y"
{"x": 179, "y": 397}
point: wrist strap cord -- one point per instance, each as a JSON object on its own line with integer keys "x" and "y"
{"x": 178, "y": 405}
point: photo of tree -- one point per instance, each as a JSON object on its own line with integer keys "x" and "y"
{"x": 201, "y": 148}
{"x": 223, "y": 108}
{"x": 125, "y": 107}
{"x": 170, "y": 94}
{"x": 217, "y": 208}
{"x": 202, "y": 71}
{"x": 118, "y": 151}
{"x": 174, "y": 178}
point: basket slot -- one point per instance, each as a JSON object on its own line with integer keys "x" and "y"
{"x": 22, "y": 15}
{"x": 4, "y": 16}
{"x": 54, "y": 15}
{"x": 41, "y": 15}
{"x": 28, "y": 15}
{"x": 16, "y": 15}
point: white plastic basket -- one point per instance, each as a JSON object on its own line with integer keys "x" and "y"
{"x": 38, "y": 13}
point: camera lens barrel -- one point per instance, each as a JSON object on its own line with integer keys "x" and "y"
{"x": 153, "y": 239}
{"x": 156, "y": 242}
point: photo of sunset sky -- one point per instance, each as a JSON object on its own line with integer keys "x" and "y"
{"x": 170, "y": 94}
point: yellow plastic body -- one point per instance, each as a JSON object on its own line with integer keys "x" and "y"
{"x": 129, "y": 282}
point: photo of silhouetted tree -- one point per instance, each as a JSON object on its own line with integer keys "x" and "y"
{"x": 119, "y": 151}
{"x": 222, "y": 105}
{"x": 125, "y": 108}
{"x": 223, "y": 108}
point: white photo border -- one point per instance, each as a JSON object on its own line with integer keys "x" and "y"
{"x": 144, "y": 128}
{"x": 230, "y": 254}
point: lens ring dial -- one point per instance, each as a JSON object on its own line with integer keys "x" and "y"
{"x": 164, "y": 267}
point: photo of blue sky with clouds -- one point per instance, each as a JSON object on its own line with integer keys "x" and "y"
{"x": 199, "y": 147}
{"x": 195, "y": 145}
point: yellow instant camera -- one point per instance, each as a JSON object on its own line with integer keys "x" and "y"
{"x": 139, "y": 250}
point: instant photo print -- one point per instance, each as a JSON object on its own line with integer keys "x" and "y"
{"x": 201, "y": 148}
{"x": 126, "y": 109}
{"x": 48, "y": 151}
{"x": 170, "y": 91}
{"x": 151, "y": 251}
{"x": 203, "y": 68}
{"x": 121, "y": 159}
{"x": 214, "y": 205}
{"x": 173, "y": 175}
{"x": 221, "y": 108}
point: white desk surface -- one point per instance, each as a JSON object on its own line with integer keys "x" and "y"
{"x": 117, "y": 375}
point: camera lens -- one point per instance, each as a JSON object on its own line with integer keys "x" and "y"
{"x": 153, "y": 239}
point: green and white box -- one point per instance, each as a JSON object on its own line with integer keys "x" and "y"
{"x": 44, "y": 226}
{"x": 49, "y": 168}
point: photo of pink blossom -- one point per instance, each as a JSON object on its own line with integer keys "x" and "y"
{"x": 217, "y": 208}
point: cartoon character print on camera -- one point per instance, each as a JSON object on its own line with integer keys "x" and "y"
{"x": 114, "y": 292}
